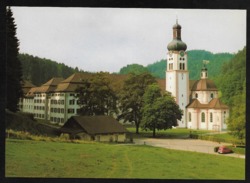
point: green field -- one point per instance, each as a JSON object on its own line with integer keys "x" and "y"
{"x": 26, "y": 158}
{"x": 169, "y": 133}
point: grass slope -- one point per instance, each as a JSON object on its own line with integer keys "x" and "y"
{"x": 25, "y": 122}
{"x": 26, "y": 158}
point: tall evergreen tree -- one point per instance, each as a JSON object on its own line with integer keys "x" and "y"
{"x": 13, "y": 65}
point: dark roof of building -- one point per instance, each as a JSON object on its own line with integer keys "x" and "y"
{"x": 53, "y": 82}
{"x": 49, "y": 86}
{"x": 26, "y": 86}
{"x": 94, "y": 125}
{"x": 213, "y": 104}
{"x": 204, "y": 85}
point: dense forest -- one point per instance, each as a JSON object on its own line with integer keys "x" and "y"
{"x": 40, "y": 70}
{"x": 232, "y": 84}
{"x": 195, "y": 63}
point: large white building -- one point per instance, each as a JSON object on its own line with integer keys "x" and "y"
{"x": 202, "y": 109}
{"x": 56, "y": 100}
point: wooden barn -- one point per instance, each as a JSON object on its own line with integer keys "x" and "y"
{"x": 96, "y": 128}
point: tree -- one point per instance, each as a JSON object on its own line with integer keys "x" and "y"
{"x": 233, "y": 75}
{"x": 133, "y": 68}
{"x": 130, "y": 98}
{"x": 237, "y": 118}
{"x": 159, "y": 111}
{"x": 13, "y": 65}
{"x": 96, "y": 97}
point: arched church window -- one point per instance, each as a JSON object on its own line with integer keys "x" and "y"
{"x": 183, "y": 66}
{"x": 212, "y": 95}
{"x": 196, "y": 95}
{"x": 180, "y": 66}
{"x": 189, "y": 117}
{"x": 211, "y": 117}
{"x": 203, "y": 117}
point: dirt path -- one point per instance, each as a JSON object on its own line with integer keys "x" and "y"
{"x": 194, "y": 145}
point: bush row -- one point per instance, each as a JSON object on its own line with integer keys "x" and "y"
{"x": 215, "y": 139}
{"x": 23, "y": 135}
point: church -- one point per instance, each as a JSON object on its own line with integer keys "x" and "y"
{"x": 202, "y": 109}
{"x": 56, "y": 100}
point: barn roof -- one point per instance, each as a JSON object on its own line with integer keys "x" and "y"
{"x": 26, "y": 86}
{"x": 94, "y": 125}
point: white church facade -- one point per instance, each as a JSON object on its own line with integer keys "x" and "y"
{"x": 56, "y": 100}
{"x": 202, "y": 109}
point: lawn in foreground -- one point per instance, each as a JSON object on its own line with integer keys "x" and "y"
{"x": 26, "y": 158}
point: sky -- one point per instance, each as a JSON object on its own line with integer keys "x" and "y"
{"x": 107, "y": 39}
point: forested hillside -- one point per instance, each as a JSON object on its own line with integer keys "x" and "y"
{"x": 232, "y": 79}
{"x": 232, "y": 84}
{"x": 40, "y": 70}
{"x": 195, "y": 63}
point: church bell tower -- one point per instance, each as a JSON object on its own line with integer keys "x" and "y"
{"x": 177, "y": 75}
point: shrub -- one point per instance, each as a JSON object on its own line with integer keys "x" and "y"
{"x": 64, "y": 136}
{"x": 216, "y": 149}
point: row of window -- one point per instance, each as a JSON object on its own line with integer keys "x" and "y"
{"x": 57, "y": 94}
{"x": 39, "y": 115}
{"x": 57, "y": 120}
{"x": 39, "y": 108}
{"x": 211, "y": 95}
{"x": 40, "y": 95}
{"x": 60, "y": 102}
{"x": 181, "y": 58}
{"x": 181, "y": 66}
{"x": 39, "y": 101}
{"x": 61, "y": 110}
{"x": 57, "y": 110}
{"x": 27, "y": 107}
{"x": 203, "y": 117}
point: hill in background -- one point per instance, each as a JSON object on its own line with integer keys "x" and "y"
{"x": 195, "y": 63}
{"x": 40, "y": 70}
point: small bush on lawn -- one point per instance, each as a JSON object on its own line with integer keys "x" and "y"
{"x": 216, "y": 149}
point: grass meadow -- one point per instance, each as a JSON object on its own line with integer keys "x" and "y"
{"x": 169, "y": 133}
{"x": 29, "y": 158}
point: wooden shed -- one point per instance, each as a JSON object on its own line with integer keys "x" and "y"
{"x": 97, "y": 128}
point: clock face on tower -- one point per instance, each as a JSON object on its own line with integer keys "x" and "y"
{"x": 182, "y": 53}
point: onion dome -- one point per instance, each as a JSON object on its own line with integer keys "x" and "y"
{"x": 177, "y": 44}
